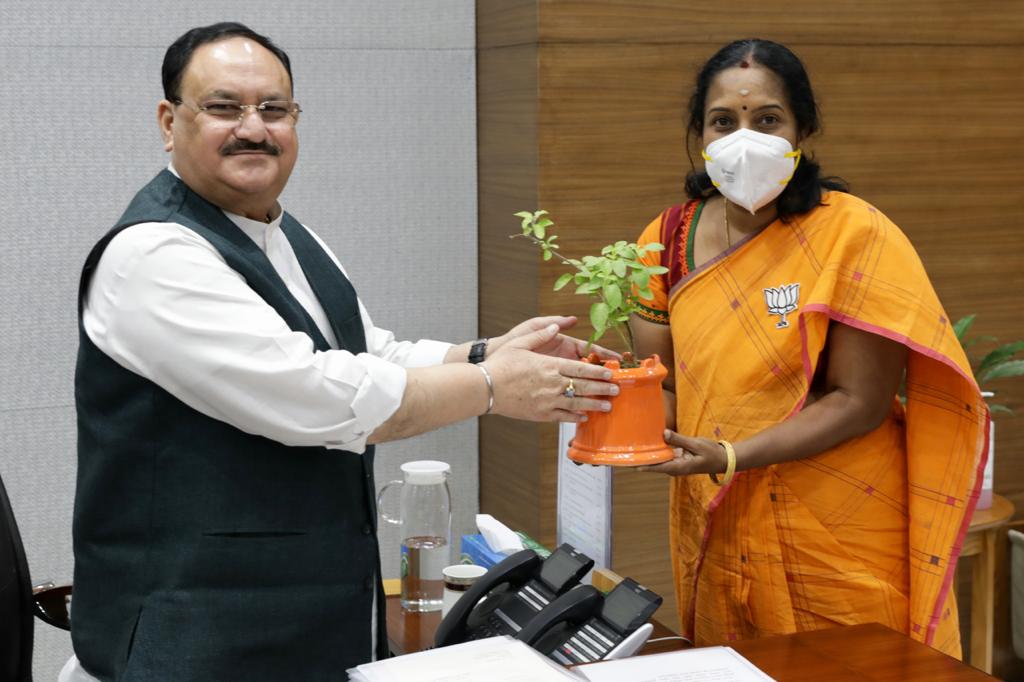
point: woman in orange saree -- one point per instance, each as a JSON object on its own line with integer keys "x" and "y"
{"x": 789, "y": 327}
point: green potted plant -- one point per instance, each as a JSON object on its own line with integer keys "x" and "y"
{"x": 631, "y": 433}
{"x": 999, "y": 362}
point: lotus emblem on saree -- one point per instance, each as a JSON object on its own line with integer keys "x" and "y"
{"x": 781, "y": 301}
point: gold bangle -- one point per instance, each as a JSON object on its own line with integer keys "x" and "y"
{"x": 730, "y": 467}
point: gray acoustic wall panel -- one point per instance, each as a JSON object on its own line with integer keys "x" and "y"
{"x": 386, "y": 175}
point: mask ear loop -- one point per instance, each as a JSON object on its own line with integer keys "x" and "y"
{"x": 705, "y": 156}
{"x": 798, "y": 154}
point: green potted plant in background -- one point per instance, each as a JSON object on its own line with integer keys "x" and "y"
{"x": 998, "y": 363}
{"x": 631, "y": 433}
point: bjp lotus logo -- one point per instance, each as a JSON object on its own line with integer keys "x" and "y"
{"x": 781, "y": 301}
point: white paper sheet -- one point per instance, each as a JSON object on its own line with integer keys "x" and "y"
{"x": 496, "y": 659}
{"x": 705, "y": 664}
{"x": 584, "y": 504}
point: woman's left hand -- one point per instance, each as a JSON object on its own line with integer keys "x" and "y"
{"x": 692, "y": 456}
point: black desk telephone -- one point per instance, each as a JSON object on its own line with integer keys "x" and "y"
{"x": 543, "y": 604}
{"x": 516, "y": 589}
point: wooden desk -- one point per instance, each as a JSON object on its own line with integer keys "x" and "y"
{"x": 981, "y": 543}
{"x": 855, "y": 653}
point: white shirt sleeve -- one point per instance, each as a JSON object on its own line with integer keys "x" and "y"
{"x": 164, "y": 304}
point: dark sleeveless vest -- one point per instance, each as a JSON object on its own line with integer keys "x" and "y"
{"x": 206, "y": 553}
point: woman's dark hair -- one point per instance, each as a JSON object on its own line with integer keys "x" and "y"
{"x": 804, "y": 190}
{"x": 179, "y": 54}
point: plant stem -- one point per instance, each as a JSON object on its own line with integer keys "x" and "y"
{"x": 538, "y": 242}
{"x": 627, "y": 337}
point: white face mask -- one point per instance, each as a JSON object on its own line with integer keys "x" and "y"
{"x": 750, "y": 168}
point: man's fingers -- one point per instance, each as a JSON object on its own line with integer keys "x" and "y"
{"x": 569, "y": 416}
{"x": 583, "y": 387}
{"x": 564, "y": 321}
{"x": 535, "y": 338}
{"x": 575, "y": 369}
{"x": 587, "y": 405}
{"x": 535, "y": 323}
{"x": 601, "y": 351}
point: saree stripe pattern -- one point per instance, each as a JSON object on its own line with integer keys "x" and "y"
{"x": 867, "y": 531}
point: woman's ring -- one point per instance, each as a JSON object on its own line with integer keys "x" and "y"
{"x": 570, "y": 390}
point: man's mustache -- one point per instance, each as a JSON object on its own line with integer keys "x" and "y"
{"x": 246, "y": 146}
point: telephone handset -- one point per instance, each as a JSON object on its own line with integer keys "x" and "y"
{"x": 511, "y": 594}
{"x": 583, "y": 626}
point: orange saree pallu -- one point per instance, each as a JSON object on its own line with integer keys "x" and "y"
{"x": 868, "y": 531}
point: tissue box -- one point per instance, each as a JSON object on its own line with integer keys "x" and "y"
{"x": 476, "y": 551}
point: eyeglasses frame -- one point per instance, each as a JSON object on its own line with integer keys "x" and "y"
{"x": 257, "y": 109}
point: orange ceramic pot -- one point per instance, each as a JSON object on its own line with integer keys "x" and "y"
{"x": 632, "y": 432}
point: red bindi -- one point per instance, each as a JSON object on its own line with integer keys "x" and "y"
{"x": 744, "y": 64}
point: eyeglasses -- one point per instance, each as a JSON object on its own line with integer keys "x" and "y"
{"x": 273, "y": 112}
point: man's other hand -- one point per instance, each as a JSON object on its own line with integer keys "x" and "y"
{"x": 534, "y": 385}
{"x": 559, "y": 346}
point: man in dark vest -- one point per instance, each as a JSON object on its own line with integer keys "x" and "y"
{"x": 230, "y": 387}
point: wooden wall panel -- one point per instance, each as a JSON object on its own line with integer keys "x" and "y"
{"x": 501, "y": 23}
{"x": 919, "y": 103}
{"x": 803, "y": 22}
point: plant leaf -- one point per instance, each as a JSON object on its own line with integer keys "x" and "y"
{"x": 524, "y": 214}
{"x": 1000, "y": 408}
{"x": 657, "y": 270}
{"x": 619, "y": 268}
{"x": 961, "y": 326}
{"x": 563, "y": 280}
{"x": 599, "y": 317}
{"x": 588, "y": 288}
{"x": 967, "y": 343}
{"x": 547, "y": 255}
{"x": 645, "y": 294}
{"x": 1010, "y": 368}
{"x": 612, "y": 296}
{"x": 1000, "y": 355}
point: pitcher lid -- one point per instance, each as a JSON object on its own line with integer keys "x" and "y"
{"x": 425, "y": 472}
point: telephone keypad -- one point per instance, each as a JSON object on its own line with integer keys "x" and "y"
{"x": 591, "y": 643}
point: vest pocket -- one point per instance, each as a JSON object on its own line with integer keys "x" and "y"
{"x": 289, "y": 633}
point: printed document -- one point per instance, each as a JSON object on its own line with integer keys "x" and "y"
{"x": 496, "y": 659}
{"x": 705, "y": 664}
{"x": 584, "y": 504}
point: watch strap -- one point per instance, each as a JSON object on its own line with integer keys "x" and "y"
{"x": 477, "y": 351}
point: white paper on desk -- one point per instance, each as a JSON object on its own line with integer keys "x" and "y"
{"x": 584, "y": 503}
{"x": 496, "y": 659}
{"x": 705, "y": 664}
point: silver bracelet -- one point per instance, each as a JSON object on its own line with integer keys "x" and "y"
{"x": 490, "y": 388}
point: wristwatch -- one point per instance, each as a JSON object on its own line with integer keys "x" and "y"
{"x": 477, "y": 351}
